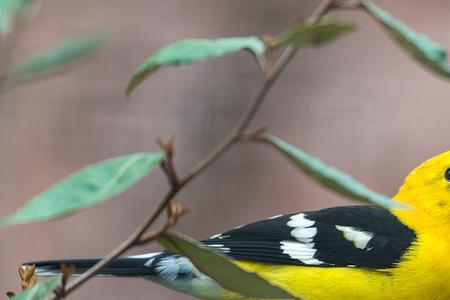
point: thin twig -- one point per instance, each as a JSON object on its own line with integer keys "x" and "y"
{"x": 66, "y": 271}
{"x": 167, "y": 164}
{"x": 175, "y": 212}
{"x": 139, "y": 236}
{"x": 252, "y": 134}
{"x": 260, "y": 61}
{"x": 131, "y": 241}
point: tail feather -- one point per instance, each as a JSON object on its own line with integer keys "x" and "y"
{"x": 173, "y": 271}
{"x": 133, "y": 266}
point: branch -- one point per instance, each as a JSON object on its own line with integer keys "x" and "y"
{"x": 234, "y": 136}
{"x": 175, "y": 212}
{"x": 167, "y": 164}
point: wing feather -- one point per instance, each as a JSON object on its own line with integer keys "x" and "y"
{"x": 362, "y": 236}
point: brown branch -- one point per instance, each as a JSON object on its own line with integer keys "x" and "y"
{"x": 167, "y": 164}
{"x": 140, "y": 236}
{"x": 175, "y": 212}
{"x": 253, "y": 134}
{"x": 66, "y": 271}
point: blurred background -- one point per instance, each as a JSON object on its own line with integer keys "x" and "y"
{"x": 360, "y": 104}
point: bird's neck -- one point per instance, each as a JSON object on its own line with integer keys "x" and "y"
{"x": 424, "y": 211}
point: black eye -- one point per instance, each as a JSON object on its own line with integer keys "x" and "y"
{"x": 447, "y": 174}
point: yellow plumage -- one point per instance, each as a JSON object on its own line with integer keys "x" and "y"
{"x": 424, "y": 270}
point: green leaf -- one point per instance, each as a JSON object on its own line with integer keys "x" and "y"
{"x": 89, "y": 186}
{"x": 12, "y": 11}
{"x": 54, "y": 59}
{"x": 222, "y": 269}
{"x": 329, "y": 176}
{"x": 41, "y": 291}
{"x": 314, "y": 32}
{"x": 429, "y": 53}
{"x": 189, "y": 51}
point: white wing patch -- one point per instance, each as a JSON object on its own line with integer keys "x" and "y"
{"x": 150, "y": 256}
{"x": 274, "y": 217}
{"x": 300, "y": 220}
{"x": 303, "y": 252}
{"x": 304, "y": 233}
{"x": 171, "y": 267}
{"x": 146, "y": 255}
{"x": 359, "y": 238}
{"x": 219, "y": 247}
{"x": 219, "y": 236}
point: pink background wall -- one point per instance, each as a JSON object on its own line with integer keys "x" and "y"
{"x": 360, "y": 104}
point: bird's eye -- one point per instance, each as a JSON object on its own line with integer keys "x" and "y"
{"x": 447, "y": 174}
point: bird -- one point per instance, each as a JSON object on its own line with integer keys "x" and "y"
{"x": 344, "y": 252}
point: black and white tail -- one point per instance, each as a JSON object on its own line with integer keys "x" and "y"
{"x": 132, "y": 266}
{"x": 173, "y": 271}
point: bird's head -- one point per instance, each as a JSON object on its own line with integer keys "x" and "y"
{"x": 427, "y": 187}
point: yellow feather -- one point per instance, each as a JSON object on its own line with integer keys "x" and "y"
{"x": 423, "y": 272}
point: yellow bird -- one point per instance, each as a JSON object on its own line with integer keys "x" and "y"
{"x": 340, "y": 253}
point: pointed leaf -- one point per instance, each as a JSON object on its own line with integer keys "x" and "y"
{"x": 89, "y": 186}
{"x": 329, "y": 176}
{"x": 54, "y": 59}
{"x": 314, "y": 32}
{"x": 222, "y": 269}
{"x": 429, "y": 53}
{"x": 41, "y": 291}
{"x": 189, "y": 51}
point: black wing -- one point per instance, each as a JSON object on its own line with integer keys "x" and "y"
{"x": 346, "y": 236}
